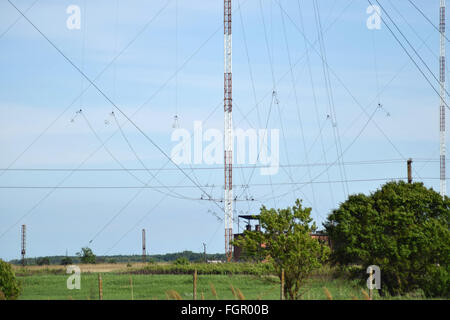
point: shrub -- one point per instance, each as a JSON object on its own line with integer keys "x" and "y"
{"x": 182, "y": 261}
{"x": 9, "y": 286}
{"x": 404, "y": 229}
{"x": 286, "y": 241}
{"x": 66, "y": 261}
{"x": 436, "y": 282}
{"x": 43, "y": 261}
{"x": 86, "y": 255}
{"x": 257, "y": 269}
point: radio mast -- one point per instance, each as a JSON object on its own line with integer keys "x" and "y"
{"x": 228, "y": 128}
{"x": 443, "y": 188}
{"x": 23, "y": 244}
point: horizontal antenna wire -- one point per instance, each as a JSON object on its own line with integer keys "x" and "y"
{"x": 108, "y": 99}
{"x": 206, "y": 186}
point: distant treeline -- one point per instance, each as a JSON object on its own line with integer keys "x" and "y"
{"x": 168, "y": 257}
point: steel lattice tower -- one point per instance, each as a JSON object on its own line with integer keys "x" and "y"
{"x": 443, "y": 187}
{"x": 23, "y": 244}
{"x": 228, "y": 128}
{"x": 144, "y": 250}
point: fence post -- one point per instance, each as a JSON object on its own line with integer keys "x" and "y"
{"x": 282, "y": 285}
{"x": 195, "y": 285}
{"x": 131, "y": 285}
{"x": 100, "y": 287}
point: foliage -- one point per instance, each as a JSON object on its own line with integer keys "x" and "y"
{"x": 66, "y": 261}
{"x": 100, "y": 260}
{"x": 116, "y": 286}
{"x": 168, "y": 257}
{"x": 182, "y": 261}
{"x": 43, "y": 261}
{"x": 86, "y": 255}
{"x": 286, "y": 241}
{"x": 191, "y": 256}
{"x": 403, "y": 228}
{"x": 436, "y": 282}
{"x": 10, "y": 288}
{"x": 257, "y": 269}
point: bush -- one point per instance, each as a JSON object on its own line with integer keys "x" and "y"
{"x": 9, "y": 286}
{"x": 87, "y": 256}
{"x": 182, "y": 261}
{"x": 286, "y": 241}
{"x": 402, "y": 228}
{"x": 256, "y": 269}
{"x": 436, "y": 282}
{"x": 43, "y": 261}
{"x": 66, "y": 261}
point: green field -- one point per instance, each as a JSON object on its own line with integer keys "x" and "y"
{"x": 151, "y": 282}
{"x": 117, "y": 286}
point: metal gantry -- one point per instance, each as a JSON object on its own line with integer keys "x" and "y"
{"x": 228, "y": 128}
{"x": 443, "y": 185}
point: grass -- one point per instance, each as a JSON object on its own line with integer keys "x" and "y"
{"x": 41, "y": 283}
{"x": 210, "y": 287}
{"x": 117, "y": 286}
{"x": 58, "y": 269}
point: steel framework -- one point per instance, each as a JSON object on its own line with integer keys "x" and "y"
{"x": 443, "y": 185}
{"x": 228, "y": 128}
{"x": 24, "y": 239}
{"x": 144, "y": 249}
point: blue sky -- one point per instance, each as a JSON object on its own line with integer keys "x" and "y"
{"x": 366, "y": 67}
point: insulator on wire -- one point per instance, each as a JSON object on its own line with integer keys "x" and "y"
{"x": 111, "y": 114}
{"x": 72, "y": 120}
{"x": 176, "y": 123}
{"x": 384, "y": 110}
{"x": 275, "y": 97}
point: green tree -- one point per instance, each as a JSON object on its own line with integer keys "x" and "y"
{"x": 43, "y": 261}
{"x": 86, "y": 255}
{"x": 9, "y": 286}
{"x": 285, "y": 240}
{"x": 181, "y": 261}
{"x": 403, "y": 228}
{"x": 66, "y": 261}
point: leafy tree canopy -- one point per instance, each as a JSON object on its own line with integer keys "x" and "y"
{"x": 9, "y": 286}
{"x": 86, "y": 255}
{"x": 403, "y": 228}
{"x": 43, "y": 261}
{"x": 286, "y": 241}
